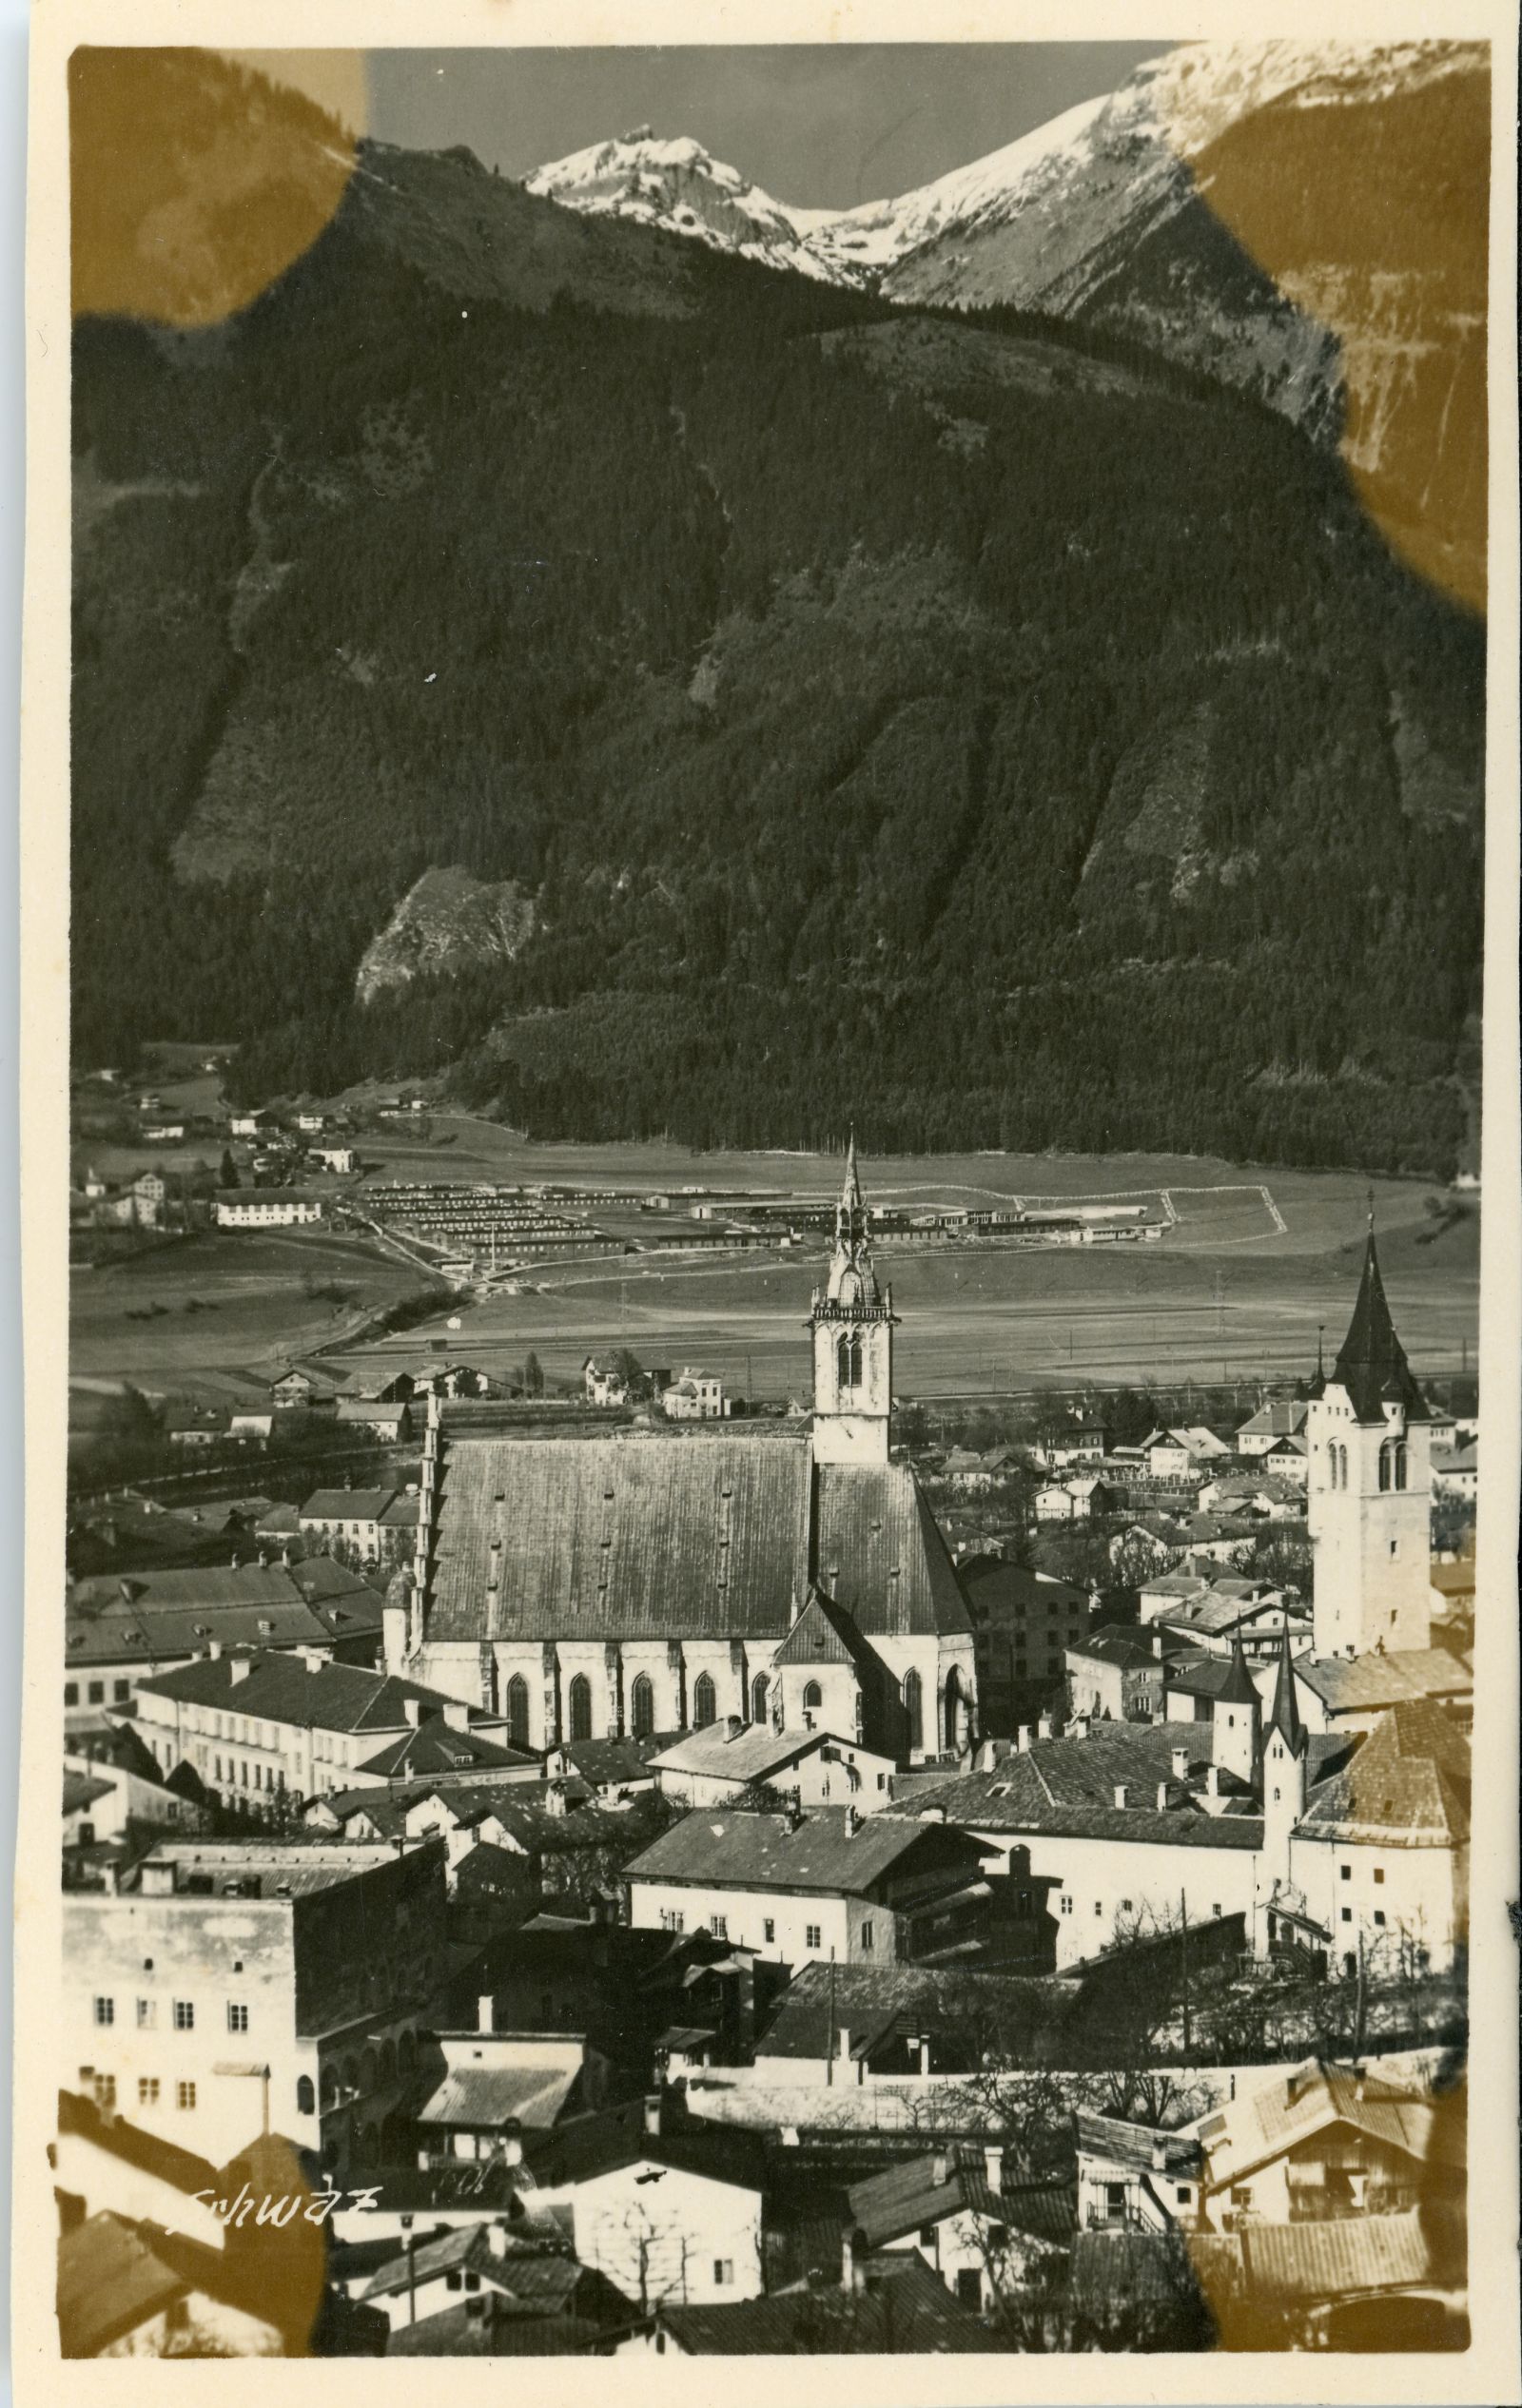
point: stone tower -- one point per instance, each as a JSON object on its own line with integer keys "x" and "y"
{"x": 851, "y": 1321}
{"x": 1235, "y": 1715}
{"x": 1369, "y": 1481}
{"x": 1286, "y": 1757}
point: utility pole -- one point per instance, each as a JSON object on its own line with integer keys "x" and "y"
{"x": 1361, "y": 2007}
{"x": 1184, "y": 1909}
{"x": 830, "y": 2034}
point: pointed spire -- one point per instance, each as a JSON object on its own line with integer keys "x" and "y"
{"x": 851, "y": 1191}
{"x": 1371, "y": 1362}
{"x": 1285, "y": 1718}
{"x": 1238, "y": 1688}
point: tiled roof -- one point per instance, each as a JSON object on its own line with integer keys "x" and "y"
{"x": 81, "y": 1789}
{"x": 1283, "y": 1418}
{"x": 1288, "y": 2108}
{"x": 1135, "y": 2145}
{"x": 753, "y": 1752}
{"x": 317, "y": 1696}
{"x": 617, "y": 1536}
{"x": 346, "y": 1504}
{"x": 604, "y": 1762}
{"x": 1331, "y": 2258}
{"x": 872, "y": 2002}
{"x": 1408, "y": 1785}
{"x": 1116, "y": 1646}
{"x": 489, "y": 2327}
{"x": 1067, "y": 1787}
{"x": 110, "y": 2281}
{"x": 587, "y": 2146}
{"x": 761, "y": 1851}
{"x": 436, "y": 1746}
{"x": 907, "y": 2310}
{"x": 823, "y": 1635}
{"x": 155, "y": 1616}
{"x": 925, "y": 2190}
{"x": 134, "y": 2144}
{"x": 1011, "y": 1588}
{"x": 484, "y": 2096}
{"x": 1353, "y": 1683}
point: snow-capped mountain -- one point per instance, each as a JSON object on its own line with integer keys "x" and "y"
{"x": 1301, "y": 220}
{"x": 677, "y": 186}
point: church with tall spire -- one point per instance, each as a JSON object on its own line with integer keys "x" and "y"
{"x": 592, "y": 1588}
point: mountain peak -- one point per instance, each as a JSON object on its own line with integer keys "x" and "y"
{"x": 674, "y": 183}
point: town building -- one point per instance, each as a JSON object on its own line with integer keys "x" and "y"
{"x": 589, "y": 1587}
{"x": 964, "y": 2213}
{"x": 264, "y": 1729}
{"x": 692, "y": 1396}
{"x": 120, "y": 1631}
{"x": 1284, "y": 1417}
{"x": 267, "y": 1208}
{"x": 716, "y": 1765}
{"x": 832, "y": 1883}
{"x": 353, "y": 1514}
{"x": 1024, "y": 1621}
{"x": 668, "y": 2215}
{"x": 1116, "y": 1674}
{"x": 240, "y": 1983}
{"x": 1315, "y": 2143}
{"x": 390, "y": 1422}
{"x": 499, "y": 2093}
{"x": 602, "y": 1385}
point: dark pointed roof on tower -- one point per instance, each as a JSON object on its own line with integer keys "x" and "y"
{"x": 851, "y": 1191}
{"x": 1237, "y": 1689}
{"x": 1371, "y": 1362}
{"x": 1285, "y": 1718}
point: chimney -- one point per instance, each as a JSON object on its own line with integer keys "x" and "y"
{"x": 1213, "y": 1782}
{"x": 1046, "y": 1726}
{"x": 993, "y": 2166}
{"x": 934, "y": 1815}
{"x": 411, "y": 1708}
{"x": 939, "y": 2170}
{"x": 214, "y": 1650}
{"x": 1121, "y": 1792}
{"x": 1163, "y": 1798}
{"x": 285, "y": 1555}
{"x": 237, "y": 1559}
{"x": 511, "y": 2141}
{"x": 1160, "y": 2152}
{"x": 1181, "y": 1764}
{"x": 733, "y": 1727}
{"x": 653, "y": 2115}
{"x": 852, "y": 2240}
{"x": 1156, "y": 1639}
{"x": 852, "y": 1821}
{"x": 486, "y": 2012}
{"x": 496, "y": 2239}
{"x": 456, "y": 1714}
{"x": 1022, "y": 1739}
{"x": 263, "y": 1559}
{"x": 239, "y": 1669}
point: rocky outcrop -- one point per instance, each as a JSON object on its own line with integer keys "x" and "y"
{"x": 448, "y": 921}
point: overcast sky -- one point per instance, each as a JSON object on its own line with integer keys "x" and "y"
{"x": 825, "y": 125}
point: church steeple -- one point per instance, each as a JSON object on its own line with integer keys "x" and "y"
{"x": 851, "y": 1322}
{"x": 1371, "y": 1364}
{"x": 1285, "y": 1718}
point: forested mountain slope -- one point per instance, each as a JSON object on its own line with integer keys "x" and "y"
{"x": 978, "y": 727}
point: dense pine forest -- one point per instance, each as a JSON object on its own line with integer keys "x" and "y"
{"x": 982, "y": 729}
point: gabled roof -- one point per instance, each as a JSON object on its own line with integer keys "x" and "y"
{"x": 1118, "y": 1645}
{"x": 436, "y": 1746}
{"x": 1408, "y": 1785}
{"x": 905, "y": 2308}
{"x": 110, "y": 2281}
{"x": 727, "y": 1849}
{"x": 874, "y": 2002}
{"x": 1353, "y": 1683}
{"x": 484, "y": 2097}
{"x": 753, "y": 1753}
{"x": 824, "y": 1634}
{"x": 1371, "y": 1363}
{"x": 346, "y": 1504}
{"x": 1333, "y": 2258}
{"x": 1276, "y": 2114}
{"x": 318, "y": 1696}
{"x": 1137, "y": 2145}
{"x": 134, "y": 2144}
{"x": 1283, "y": 1417}
{"x": 1067, "y": 1787}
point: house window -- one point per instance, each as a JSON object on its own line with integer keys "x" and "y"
{"x": 927, "y": 2235}
{"x": 969, "y": 2288}
{"x": 106, "y": 2089}
{"x": 768, "y": 1931}
{"x": 813, "y": 1938}
{"x": 1181, "y": 2194}
{"x": 305, "y": 2095}
{"x": 148, "y": 2089}
{"x": 998, "y": 2236}
{"x": 106, "y": 2010}
{"x": 237, "y": 2016}
{"x": 121, "y": 1691}
{"x": 723, "y": 2272}
{"x": 1125, "y": 1906}
{"x": 1115, "y": 2200}
{"x": 867, "y": 1936}
{"x": 1241, "y": 2195}
{"x": 1347, "y": 1914}
{"x": 185, "y": 2015}
{"x": 1346, "y": 1872}
{"x": 71, "y": 1693}
{"x": 1378, "y": 1872}
{"x": 1065, "y": 1903}
{"x": 719, "y": 1926}
{"x": 96, "y": 1693}
{"x": 1379, "y": 1916}
{"x": 813, "y": 1697}
{"x": 882, "y": 1781}
{"x": 1097, "y": 1906}
{"x": 148, "y": 2011}
{"x": 184, "y": 2095}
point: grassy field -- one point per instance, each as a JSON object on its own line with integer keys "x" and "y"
{"x": 213, "y": 1314}
{"x": 1252, "y": 1262}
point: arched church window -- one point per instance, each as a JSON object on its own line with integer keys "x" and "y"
{"x": 953, "y": 1708}
{"x": 1401, "y": 1463}
{"x": 914, "y": 1709}
{"x": 517, "y": 1710}
{"x": 305, "y": 2095}
{"x": 642, "y": 1707}
{"x": 813, "y": 1697}
{"x": 857, "y": 1362}
{"x": 705, "y": 1704}
{"x": 581, "y": 1707}
{"x": 758, "y": 1698}
{"x": 1387, "y": 1463}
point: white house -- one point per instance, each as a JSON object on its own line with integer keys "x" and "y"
{"x": 696, "y": 1396}
{"x": 717, "y": 1764}
{"x": 1283, "y": 1418}
{"x": 267, "y": 1208}
{"x": 666, "y": 2216}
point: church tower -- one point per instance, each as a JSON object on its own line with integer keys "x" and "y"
{"x": 1369, "y": 1483}
{"x": 851, "y": 1322}
{"x": 1286, "y": 1757}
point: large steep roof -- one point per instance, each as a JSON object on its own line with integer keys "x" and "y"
{"x": 1371, "y": 1363}
{"x": 623, "y": 1539}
